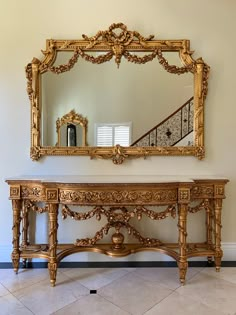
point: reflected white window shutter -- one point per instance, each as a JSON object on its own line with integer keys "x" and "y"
{"x": 104, "y": 135}
{"x": 112, "y": 134}
{"x": 122, "y": 135}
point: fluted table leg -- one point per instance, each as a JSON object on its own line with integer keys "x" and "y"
{"x": 209, "y": 216}
{"x": 53, "y": 225}
{"x": 182, "y": 263}
{"x": 25, "y": 227}
{"x": 16, "y": 207}
{"x": 183, "y": 204}
{"x": 218, "y": 250}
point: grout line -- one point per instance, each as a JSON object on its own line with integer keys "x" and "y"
{"x": 22, "y": 303}
{"x": 105, "y": 299}
{"x": 5, "y": 288}
{"x": 160, "y": 301}
{"x": 133, "y": 272}
{"x": 30, "y": 285}
{"x": 218, "y": 278}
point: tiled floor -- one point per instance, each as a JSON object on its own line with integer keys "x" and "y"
{"x": 149, "y": 291}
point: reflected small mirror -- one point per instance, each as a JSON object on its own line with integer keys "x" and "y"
{"x": 71, "y": 130}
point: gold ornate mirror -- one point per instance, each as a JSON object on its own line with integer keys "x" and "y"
{"x": 140, "y": 97}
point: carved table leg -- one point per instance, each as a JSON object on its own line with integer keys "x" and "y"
{"x": 25, "y": 226}
{"x": 218, "y": 250}
{"x": 16, "y": 207}
{"x": 208, "y": 228}
{"x": 53, "y": 225}
{"x": 182, "y": 263}
{"x": 183, "y": 204}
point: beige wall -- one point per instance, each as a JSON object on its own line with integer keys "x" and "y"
{"x": 209, "y": 25}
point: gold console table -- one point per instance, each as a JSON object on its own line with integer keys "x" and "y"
{"x": 119, "y": 201}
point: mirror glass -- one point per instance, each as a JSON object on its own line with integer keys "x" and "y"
{"x": 130, "y": 100}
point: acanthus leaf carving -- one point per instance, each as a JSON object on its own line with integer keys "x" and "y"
{"x": 35, "y": 153}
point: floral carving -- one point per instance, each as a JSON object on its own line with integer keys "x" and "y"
{"x": 117, "y": 196}
{"x": 63, "y": 68}
{"x": 31, "y": 191}
{"x": 31, "y": 205}
{"x": 203, "y": 205}
{"x": 202, "y": 190}
{"x": 173, "y": 68}
{"x": 119, "y": 214}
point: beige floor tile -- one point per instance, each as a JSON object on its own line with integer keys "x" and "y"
{"x": 5, "y": 273}
{"x": 134, "y": 294}
{"x": 9, "y": 305}
{"x": 95, "y": 278}
{"x": 42, "y": 299}
{"x": 178, "y": 305}
{"x": 211, "y": 291}
{"x": 24, "y": 278}
{"x": 168, "y": 277}
{"x": 121, "y": 291}
{"x": 226, "y": 273}
{"x": 91, "y": 305}
{"x": 3, "y": 291}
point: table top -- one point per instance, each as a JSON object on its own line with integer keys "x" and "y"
{"x": 74, "y": 179}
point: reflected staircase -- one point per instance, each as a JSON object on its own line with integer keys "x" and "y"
{"x": 172, "y": 130}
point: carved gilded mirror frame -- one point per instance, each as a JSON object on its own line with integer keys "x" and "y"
{"x": 72, "y": 118}
{"x": 120, "y": 43}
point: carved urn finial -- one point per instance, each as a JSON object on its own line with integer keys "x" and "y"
{"x": 117, "y": 240}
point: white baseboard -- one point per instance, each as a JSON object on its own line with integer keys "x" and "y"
{"x": 229, "y": 250}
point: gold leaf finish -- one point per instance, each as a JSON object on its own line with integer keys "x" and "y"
{"x": 119, "y": 42}
{"x": 117, "y": 196}
{"x": 73, "y": 118}
{"x": 120, "y": 205}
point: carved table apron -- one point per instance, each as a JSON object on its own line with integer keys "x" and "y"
{"x": 119, "y": 201}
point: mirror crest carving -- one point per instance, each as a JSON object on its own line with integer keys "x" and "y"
{"x": 114, "y": 44}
